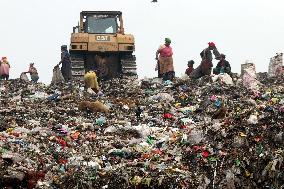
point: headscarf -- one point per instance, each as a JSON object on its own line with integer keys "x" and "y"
{"x": 211, "y": 44}
{"x": 168, "y": 40}
{"x": 4, "y": 60}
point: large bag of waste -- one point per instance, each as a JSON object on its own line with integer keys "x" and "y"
{"x": 250, "y": 78}
{"x": 24, "y": 77}
{"x": 57, "y": 76}
{"x": 223, "y": 78}
{"x": 275, "y": 65}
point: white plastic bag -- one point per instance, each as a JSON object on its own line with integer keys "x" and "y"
{"x": 223, "y": 78}
{"x": 90, "y": 91}
{"x": 162, "y": 97}
{"x": 24, "y": 77}
{"x": 226, "y": 78}
{"x": 253, "y": 119}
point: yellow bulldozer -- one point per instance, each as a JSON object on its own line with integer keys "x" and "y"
{"x": 99, "y": 43}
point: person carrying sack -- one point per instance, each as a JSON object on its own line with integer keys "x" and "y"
{"x": 164, "y": 56}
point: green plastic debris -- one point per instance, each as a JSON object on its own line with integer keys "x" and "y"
{"x": 213, "y": 159}
{"x": 237, "y": 162}
{"x": 259, "y": 149}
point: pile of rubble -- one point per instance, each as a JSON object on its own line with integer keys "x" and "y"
{"x": 143, "y": 134}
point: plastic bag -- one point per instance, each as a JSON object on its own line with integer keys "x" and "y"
{"x": 157, "y": 66}
{"x": 195, "y": 137}
{"x": 110, "y": 129}
{"x": 223, "y": 78}
{"x": 57, "y": 76}
{"x": 24, "y": 77}
{"x": 101, "y": 121}
{"x": 90, "y": 91}
{"x": 253, "y": 119}
{"x": 162, "y": 97}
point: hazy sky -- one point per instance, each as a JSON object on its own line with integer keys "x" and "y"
{"x": 34, "y": 30}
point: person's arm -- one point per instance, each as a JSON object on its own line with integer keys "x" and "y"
{"x": 216, "y": 53}
{"x": 62, "y": 57}
{"x": 229, "y": 69}
{"x": 60, "y": 62}
{"x": 158, "y": 51}
{"x": 30, "y": 71}
{"x": 57, "y": 65}
{"x": 228, "y": 64}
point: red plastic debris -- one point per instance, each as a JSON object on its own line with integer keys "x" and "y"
{"x": 168, "y": 116}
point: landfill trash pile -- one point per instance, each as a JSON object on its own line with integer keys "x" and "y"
{"x": 143, "y": 134}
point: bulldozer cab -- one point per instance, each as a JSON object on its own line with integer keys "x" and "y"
{"x": 101, "y": 22}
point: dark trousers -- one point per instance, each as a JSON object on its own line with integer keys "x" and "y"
{"x": 217, "y": 70}
{"x": 6, "y": 77}
{"x": 168, "y": 76}
{"x": 66, "y": 71}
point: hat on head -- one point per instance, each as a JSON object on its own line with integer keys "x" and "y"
{"x": 4, "y": 57}
{"x": 191, "y": 62}
{"x": 211, "y": 44}
{"x": 64, "y": 47}
{"x": 168, "y": 40}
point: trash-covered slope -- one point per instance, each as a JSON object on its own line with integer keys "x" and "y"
{"x": 190, "y": 134}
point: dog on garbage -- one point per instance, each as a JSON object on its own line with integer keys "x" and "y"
{"x": 124, "y": 101}
{"x": 96, "y": 106}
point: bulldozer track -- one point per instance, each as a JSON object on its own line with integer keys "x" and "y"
{"x": 128, "y": 65}
{"x": 77, "y": 67}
